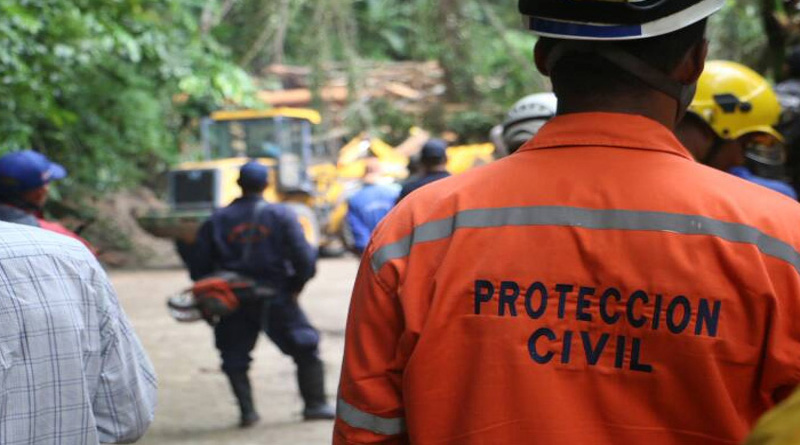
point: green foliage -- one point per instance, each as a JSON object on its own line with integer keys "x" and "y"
{"x": 473, "y": 126}
{"x": 485, "y": 53}
{"x": 92, "y": 83}
{"x": 736, "y": 33}
{"x": 393, "y": 123}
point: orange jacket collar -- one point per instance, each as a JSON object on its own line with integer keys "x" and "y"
{"x": 607, "y": 130}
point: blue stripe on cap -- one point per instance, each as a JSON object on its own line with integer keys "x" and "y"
{"x": 583, "y": 30}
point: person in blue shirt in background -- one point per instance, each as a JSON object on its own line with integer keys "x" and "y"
{"x": 774, "y": 184}
{"x": 433, "y": 162}
{"x": 367, "y": 207}
{"x": 264, "y": 242}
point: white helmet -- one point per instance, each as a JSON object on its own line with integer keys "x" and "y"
{"x": 526, "y": 118}
{"x": 582, "y": 26}
{"x": 614, "y": 19}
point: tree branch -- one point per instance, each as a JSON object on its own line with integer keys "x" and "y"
{"x": 279, "y": 42}
{"x": 500, "y": 28}
{"x": 208, "y": 20}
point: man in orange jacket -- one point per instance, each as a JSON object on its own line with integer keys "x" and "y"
{"x": 598, "y": 286}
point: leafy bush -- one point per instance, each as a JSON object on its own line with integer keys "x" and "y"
{"x": 114, "y": 89}
{"x": 92, "y": 83}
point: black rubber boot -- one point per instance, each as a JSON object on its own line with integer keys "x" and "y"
{"x": 311, "y": 380}
{"x": 240, "y": 385}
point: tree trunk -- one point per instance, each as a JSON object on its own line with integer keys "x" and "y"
{"x": 208, "y": 20}
{"x": 456, "y": 56}
{"x": 772, "y": 14}
{"x": 279, "y": 43}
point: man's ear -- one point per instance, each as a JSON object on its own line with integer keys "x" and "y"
{"x": 693, "y": 64}
{"x": 540, "y": 54}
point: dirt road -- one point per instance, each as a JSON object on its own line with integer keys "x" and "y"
{"x": 195, "y": 404}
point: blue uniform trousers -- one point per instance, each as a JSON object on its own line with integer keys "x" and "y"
{"x": 284, "y": 323}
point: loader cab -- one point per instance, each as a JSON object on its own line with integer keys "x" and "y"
{"x": 281, "y": 134}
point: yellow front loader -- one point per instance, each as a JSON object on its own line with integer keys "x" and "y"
{"x": 280, "y": 138}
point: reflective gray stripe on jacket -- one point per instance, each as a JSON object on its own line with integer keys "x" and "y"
{"x": 369, "y": 422}
{"x": 599, "y": 219}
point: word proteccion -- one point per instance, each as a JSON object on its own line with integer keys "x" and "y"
{"x": 608, "y": 306}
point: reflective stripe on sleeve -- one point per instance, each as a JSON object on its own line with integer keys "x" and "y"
{"x": 588, "y": 219}
{"x": 369, "y": 422}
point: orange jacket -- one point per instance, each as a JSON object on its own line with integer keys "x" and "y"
{"x": 597, "y": 287}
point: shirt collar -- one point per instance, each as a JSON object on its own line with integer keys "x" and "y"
{"x": 249, "y": 198}
{"x": 607, "y": 130}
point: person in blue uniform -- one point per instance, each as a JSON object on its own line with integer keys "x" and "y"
{"x": 367, "y": 207}
{"x": 265, "y": 242}
{"x": 433, "y": 162}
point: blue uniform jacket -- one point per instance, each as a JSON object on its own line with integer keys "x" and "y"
{"x": 414, "y": 184}
{"x": 279, "y": 257}
{"x": 17, "y": 216}
{"x": 366, "y": 209}
{"x": 778, "y": 186}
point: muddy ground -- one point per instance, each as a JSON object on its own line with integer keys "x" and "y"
{"x": 195, "y": 404}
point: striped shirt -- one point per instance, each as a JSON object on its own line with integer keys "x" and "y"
{"x": 72, "y": 371}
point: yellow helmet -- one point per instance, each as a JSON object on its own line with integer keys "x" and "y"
{"x": 735, "y": 100}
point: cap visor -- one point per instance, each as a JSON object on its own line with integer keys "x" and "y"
{"x": 57, "y": 171}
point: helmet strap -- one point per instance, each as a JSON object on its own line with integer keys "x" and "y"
{"x": 714, "y": 151}
{"x": 631, "y": 64}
